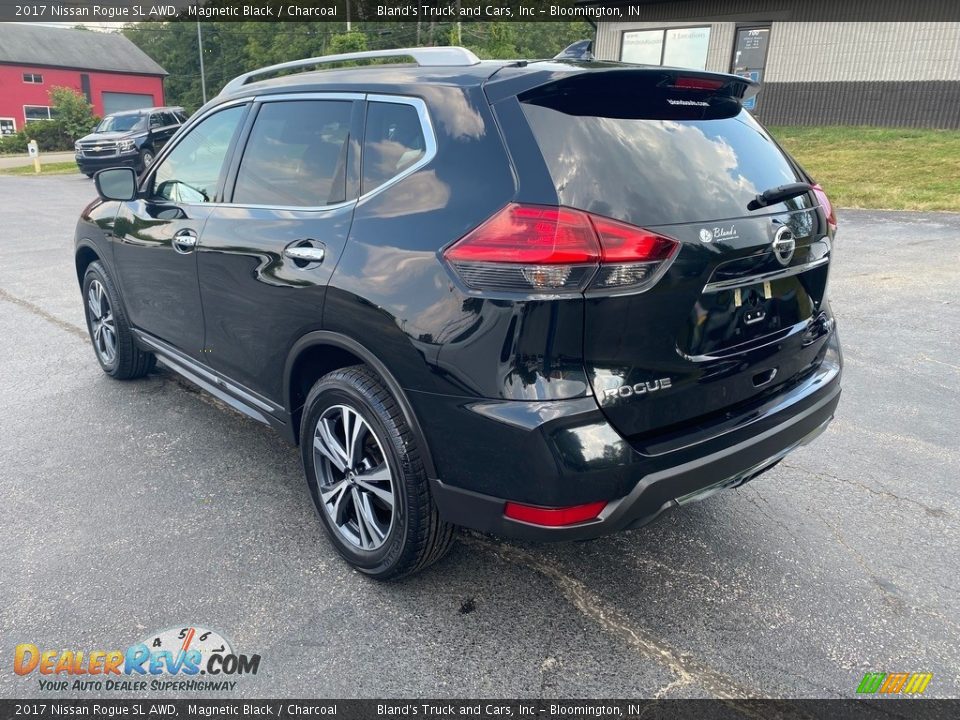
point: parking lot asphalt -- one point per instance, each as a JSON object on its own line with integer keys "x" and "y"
{"x": 127, "y": 508}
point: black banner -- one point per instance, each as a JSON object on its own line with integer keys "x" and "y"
{"x": 358, "y": 11}
{"x": 228, "y": 709}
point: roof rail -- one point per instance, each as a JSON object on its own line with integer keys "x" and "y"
{"x": 423, "y": 56}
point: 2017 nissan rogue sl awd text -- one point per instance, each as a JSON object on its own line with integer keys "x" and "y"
{"x": 547, "y": 300}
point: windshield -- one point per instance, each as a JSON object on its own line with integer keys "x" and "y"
{"x": 122, "y": 123}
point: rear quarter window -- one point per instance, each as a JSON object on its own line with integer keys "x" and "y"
{"x": 393, "y": 142}
{"x": 660, "y": 171}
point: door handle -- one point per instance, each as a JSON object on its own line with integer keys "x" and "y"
{"x": 185, "y": 241}
{"x": 305, "y": 254}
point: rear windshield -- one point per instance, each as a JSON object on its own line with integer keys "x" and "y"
{"x": 660, "y": 171}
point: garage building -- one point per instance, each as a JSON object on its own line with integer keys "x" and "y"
{"x": 814, "y": 68}
{"x": 111, "y": 71}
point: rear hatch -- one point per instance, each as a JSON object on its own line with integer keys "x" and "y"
{"x": 740, "y": 311}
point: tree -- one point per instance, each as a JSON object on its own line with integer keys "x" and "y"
{"x": 348, "y": 42}
{"x": 73, "y": 113}
{"x": 231, "y": 48}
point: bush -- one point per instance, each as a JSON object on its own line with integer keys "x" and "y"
{"x": 74, "y": 119}
{"x": 49, "y": 135}
{"x": 72, "y": 111}
{"x": 15, "y": 143}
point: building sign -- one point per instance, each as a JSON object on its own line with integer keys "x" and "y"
{"x": 675, "y": 47}
{"x": 644, "y": 47}
{"x": 750, "y": 57}
{"x": 687, "y": 48}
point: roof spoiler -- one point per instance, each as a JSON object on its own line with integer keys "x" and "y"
{"x": 559, "y": 77}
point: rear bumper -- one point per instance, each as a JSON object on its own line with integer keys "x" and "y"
{"x": 564, "y": 453}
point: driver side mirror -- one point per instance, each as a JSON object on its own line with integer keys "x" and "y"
{"x": 116, "y": 183}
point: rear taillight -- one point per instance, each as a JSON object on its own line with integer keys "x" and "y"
{"x": 537, "y": 249}
{"x": 826, "y": 205}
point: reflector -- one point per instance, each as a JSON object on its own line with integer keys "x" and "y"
{"x": 553, "y": 517}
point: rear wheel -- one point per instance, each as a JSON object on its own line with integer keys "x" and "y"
{"x": 366, "y": 478}
{"x": 109, "y": 330}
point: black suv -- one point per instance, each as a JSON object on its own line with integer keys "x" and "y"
{"x": 547, "y": 300}
{"x": 130, "y": 139}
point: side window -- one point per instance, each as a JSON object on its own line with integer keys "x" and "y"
{"x": 156, "y": 120}
{"x": 393, "y": 141}
{"x": 191, "y": 171}
{"x": 296, "y": 155}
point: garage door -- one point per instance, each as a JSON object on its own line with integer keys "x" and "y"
{"x": 115, "y": 102}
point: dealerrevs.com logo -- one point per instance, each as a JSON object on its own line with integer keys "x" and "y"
{"x": 178, "y": 659}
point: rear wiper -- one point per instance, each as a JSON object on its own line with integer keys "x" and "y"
{"x": 779, "y": 194}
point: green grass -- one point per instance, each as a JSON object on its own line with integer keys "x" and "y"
{"x": 61, "y": 168}
{"x": 880, "y": 168}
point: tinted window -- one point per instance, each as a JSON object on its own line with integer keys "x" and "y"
{"x": 296, "y": 155}
{"x": 392, "y": 143}
{"x": 656, "y": 172}
{"x": 156, "y": 120}
{"x": 122, "y": 123}
{"x": 191, "y": 171}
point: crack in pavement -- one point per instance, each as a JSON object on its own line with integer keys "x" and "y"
{"x": 40, "y": 312}
{"x": 687, "y": 669}
{"x": 938, "y": 362}
{"x": 933, "y": 512}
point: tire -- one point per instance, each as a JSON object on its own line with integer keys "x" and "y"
{"x": 89, "y": 175}
{"x": 383, "y": 539}
{"x": 109, "y": 330}
{"x": 146, "y": 158}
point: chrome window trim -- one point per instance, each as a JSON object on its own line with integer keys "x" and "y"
{"x": 319, "y": 95}
{"x": 284, "y": 208}
{"x": 171, "y": 146}
{"x": 426, "y": 125}
{"x": 429, "y": 139}
{"x": 280, "y": 97}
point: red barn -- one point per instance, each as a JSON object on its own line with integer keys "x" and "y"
{"x": 111, "y": 71}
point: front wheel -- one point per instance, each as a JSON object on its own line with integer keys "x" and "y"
{"x": 146, "y": 158}
{"x": 110, "y": 333}
{"x": 366, "y": 477}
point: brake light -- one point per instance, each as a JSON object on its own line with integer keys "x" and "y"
{"x": 548, "y": 250}
{"x": 695, "y": 83}
{"x": 553, "y": 517}
{"x": 826, "y": 205}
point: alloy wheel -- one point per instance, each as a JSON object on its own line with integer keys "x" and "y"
{"x": 103, "y": 329}
{"x": 354, "y": 480}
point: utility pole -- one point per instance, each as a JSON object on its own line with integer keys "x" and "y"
{"x": 203, "y": 77}
{"x": 459, "y": 26}
{"x": 348, "y": 15}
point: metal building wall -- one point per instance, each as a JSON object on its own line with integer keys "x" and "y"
{"x": 829, "y": 72}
